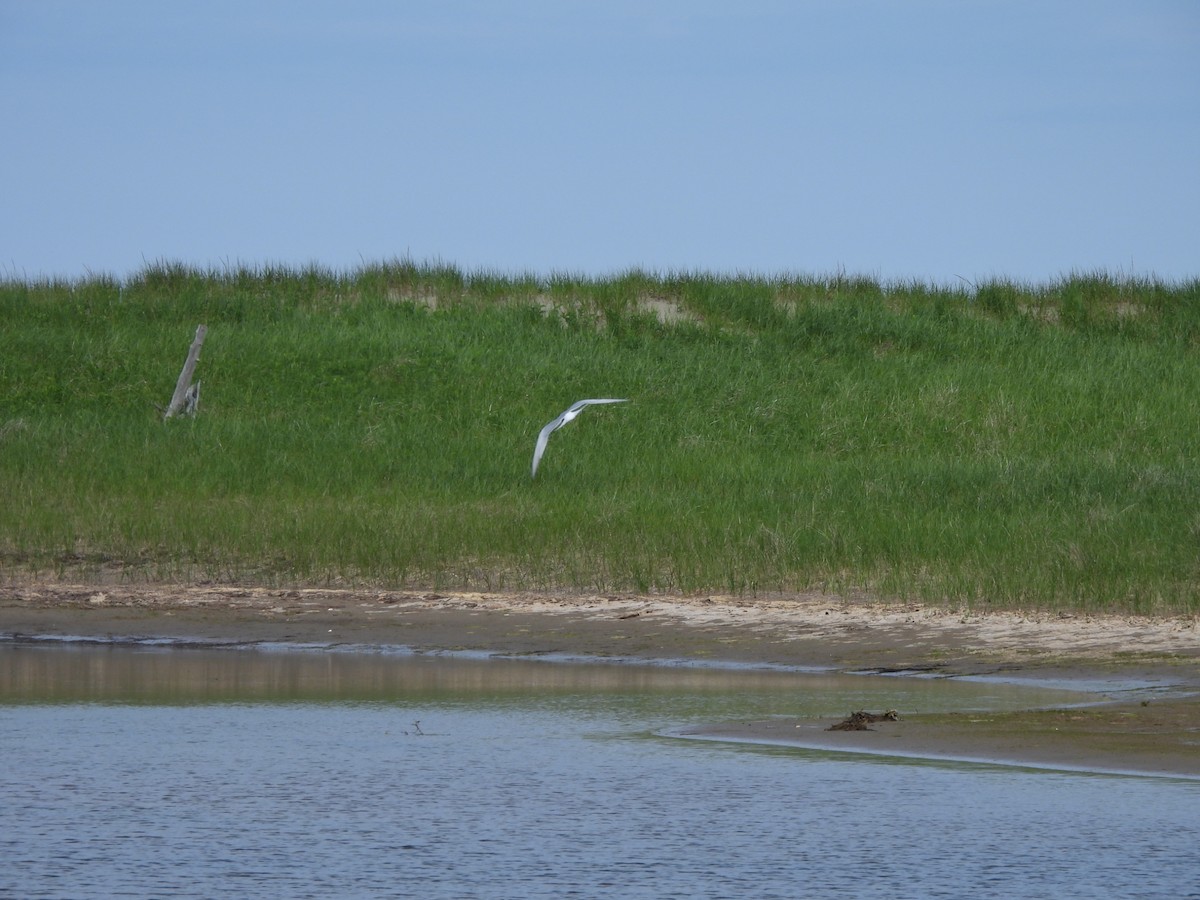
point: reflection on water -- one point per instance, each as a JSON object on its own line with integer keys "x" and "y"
{"x": 121, "y": 673}
{"x": 202, "y": 773}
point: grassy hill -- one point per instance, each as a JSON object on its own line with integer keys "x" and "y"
{"x": 1000, "y": 443}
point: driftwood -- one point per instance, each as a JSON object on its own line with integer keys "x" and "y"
{"x": 186, "y": 399}
{"x": 858, "y": 721}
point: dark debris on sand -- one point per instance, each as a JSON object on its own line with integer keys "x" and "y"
{"x": 859, "y": 721}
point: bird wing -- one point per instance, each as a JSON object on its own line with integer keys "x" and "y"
{"x": 582, "y": 403}
{"x": 540, "y": 447}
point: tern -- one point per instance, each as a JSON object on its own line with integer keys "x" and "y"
{"x": 574, "y": 410}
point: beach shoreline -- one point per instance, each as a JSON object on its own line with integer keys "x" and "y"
{"x": 1139, "y": 677}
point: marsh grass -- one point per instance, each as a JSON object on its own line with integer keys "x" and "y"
{"x": 1002, "y": 444}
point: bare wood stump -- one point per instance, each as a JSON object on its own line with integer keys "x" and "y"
{"x": 186, "y": 399}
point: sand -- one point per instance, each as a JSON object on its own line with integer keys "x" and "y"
{"x": 1143, "y": 674}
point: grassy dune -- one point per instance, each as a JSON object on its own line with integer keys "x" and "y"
{"x": 1000, "y": 443}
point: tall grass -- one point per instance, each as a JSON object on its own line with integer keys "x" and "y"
{"x": 1005, "y": 444}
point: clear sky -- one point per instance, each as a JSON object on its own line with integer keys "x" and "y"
{"x": 902, "y": 139}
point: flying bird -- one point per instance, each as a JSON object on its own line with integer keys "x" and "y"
{"x": 571, "y": 413}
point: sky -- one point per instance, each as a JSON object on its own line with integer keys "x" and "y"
{"x": 927, "y": 140}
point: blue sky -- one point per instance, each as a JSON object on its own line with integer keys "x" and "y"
{"x": 927, "y": 139}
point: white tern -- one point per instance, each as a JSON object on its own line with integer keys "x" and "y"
{"x": 574, "y": 410}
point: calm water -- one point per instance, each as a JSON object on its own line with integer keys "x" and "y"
{"x": 200, "y": 773}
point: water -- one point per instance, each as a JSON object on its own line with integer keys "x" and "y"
{"x": 132, "y": 772}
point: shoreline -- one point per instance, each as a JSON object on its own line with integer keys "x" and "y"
{"x": 1147, "y": 738}
{"x": 1142, "y": 674}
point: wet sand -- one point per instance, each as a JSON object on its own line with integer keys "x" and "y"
{"x": 1142, "y": 675}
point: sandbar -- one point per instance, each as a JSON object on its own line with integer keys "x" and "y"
{"x": 1139, "y": 676}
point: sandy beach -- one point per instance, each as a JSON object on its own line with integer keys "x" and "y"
{"x": 1141, "y": 675}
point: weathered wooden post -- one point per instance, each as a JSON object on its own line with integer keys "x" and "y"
{"x": 186, "y": 399}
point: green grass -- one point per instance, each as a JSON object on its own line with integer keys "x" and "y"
{"x": 1004, "y": 444}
